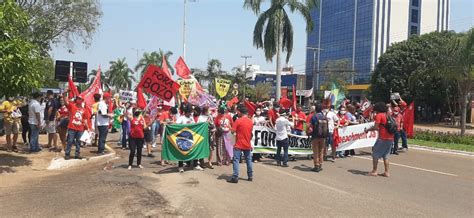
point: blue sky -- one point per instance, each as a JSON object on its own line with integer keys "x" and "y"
{"x": 219, "y": 29}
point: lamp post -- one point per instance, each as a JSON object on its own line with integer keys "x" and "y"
{"x": 184, "y": 27}
{"x": 245, "y": 70}
{"x": 315, "y": 91}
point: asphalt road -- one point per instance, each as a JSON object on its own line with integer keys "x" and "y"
{"x": 422, "y": 184}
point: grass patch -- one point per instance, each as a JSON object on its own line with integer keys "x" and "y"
{"x": 452, "y": 146}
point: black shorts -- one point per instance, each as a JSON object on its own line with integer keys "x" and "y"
{"x": 148, "y": 136}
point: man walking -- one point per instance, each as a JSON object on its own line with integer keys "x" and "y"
{"x": 50, "y": 110}
{"x": 282, "y": 126}
{"x": 102, "y": 120}
{"x": 319, "y": 132}
{"x": 77, "y": 124}
{"x": 34, "y": 120}
{"x": 243, "y": 129}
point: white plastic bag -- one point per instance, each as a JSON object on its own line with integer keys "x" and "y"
{"x": 87, "y": 137}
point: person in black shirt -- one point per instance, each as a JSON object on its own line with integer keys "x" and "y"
{"x": 50, "y": 120}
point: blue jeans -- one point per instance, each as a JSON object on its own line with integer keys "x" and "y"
{"x": 103, "y": 131}
{"x": 282, "y": 144}
{"x": 155, "y": 127}
{"x": 297, "y": 132}
{"x": 403, "y": 134}
{"x": 124, "y": 133}
{"x": 236, "y": 160}
{"x": 73, "y": 136}
{"x": 34, "y": 144}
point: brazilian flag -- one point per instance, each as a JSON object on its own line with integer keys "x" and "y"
{"x": 183, "y": 142}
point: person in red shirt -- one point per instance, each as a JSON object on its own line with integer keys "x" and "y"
{"x": 242, "y": 127}
{"x": 137, "y": 138}
{"x": 273, "y": 114}
{"x": 63, "y": 120}
{"x": 383, "y": 146}
{"x": 299, "y": 118}
{"x": 78, "y": 123}
{"x": 399, "y": 119}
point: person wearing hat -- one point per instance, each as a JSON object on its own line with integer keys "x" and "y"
{"x": 102, "y": 120}
{"x": 50, "y": 111}
{"x": 399, "y": 120}
{"x": 78, "y": 123}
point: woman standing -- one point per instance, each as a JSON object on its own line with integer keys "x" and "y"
{"x": 63, "y": 120}
{"x": 343, "y": 122}
{"x": 137, "y": 139}
{"x": 258, "y": 120}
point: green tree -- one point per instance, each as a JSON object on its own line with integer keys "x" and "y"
{"x": 46, "y": 67}
{"x": 214, "y": 70}
{"x": 338, "y": 72}
{"x": 19, "y": 56}
{"x": 154, "y": 58}
{"x": 262, "y": 91}
{"x": 55, "y": 21}
{"x": 278, "y": 34}
{"x": 120, "y": 75}
{"x": 453, "y": 58}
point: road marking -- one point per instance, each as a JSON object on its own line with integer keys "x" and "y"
{"x": 306, "y": 180}
{"x": 415, "y": 168}
{"x": 443, "y": 151}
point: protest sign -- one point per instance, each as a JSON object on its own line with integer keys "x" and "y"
{"x": 222, "y": 86}
{"x": 158, "y": 83}
{"x": 352, "y": 137}
{"x": 186, "y": 86}
{"x": 126, "y": 96}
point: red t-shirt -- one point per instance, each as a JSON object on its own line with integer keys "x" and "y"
{"x": 399, "y": 119}
{"x": 272, "y": 115}
{"x": 308, "y": 118}
{"x": 63, "y": 112}
{"x": 136, "y": 128}
{"x": 77, "y": 117}
{"x": 300, "y": 115}
{"x": 243, "y": 129}
{"x": 381, "y": 119}
{"x": 224, "y": 121}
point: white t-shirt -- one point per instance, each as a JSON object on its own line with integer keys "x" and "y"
{"x": 33, "y": 108}
{"x": 102, "y": 117}
{"x": 259, "y": 121}
{"x": 203, "y": 119}
{"x": 184, "y": 120}
{"x": 282, "y": 125}
{"x": 332, "y": 119}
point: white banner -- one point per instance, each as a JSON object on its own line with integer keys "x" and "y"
{"x": 352, "y": 137}
{"x": 126, "y": 96}
{"x": 305, "y": 93}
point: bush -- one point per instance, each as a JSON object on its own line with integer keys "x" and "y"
{"x": 443, "y": 137}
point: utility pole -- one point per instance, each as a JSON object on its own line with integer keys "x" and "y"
{"x": 184, "y": 27}
{"x": 316, "y": 90}
{"x": 245, "y": 57}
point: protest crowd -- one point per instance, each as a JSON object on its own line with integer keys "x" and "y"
{"x": 198, "y": 131}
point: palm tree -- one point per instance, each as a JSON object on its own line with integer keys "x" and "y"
{"x": 155, "y": 58}
{"x": 278, "y": 33}
{"x": 104, "y": 78}
{"x": 214, "y": 70}
{"x": 121, "y": 76}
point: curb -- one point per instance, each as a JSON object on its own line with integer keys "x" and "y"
{"x": 442, "y": 150}
{"x": 60, "y": 163}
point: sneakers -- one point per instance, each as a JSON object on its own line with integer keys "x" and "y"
{"x": 78, "y": 157}
{"x": 153, "y": 145}
{"x": 331, "y": 160}
{"x": 233, "y": 180}
{"x": 284, "y": 165}
{"x": 198, "y": 168}
{"x": 278, "y": 163}
{"x": 129, "y": 167}
{"x": 250, "y": 179}
{"x": 181, "y": 170}
{"x": 317, "y": 169}
{"x": 151, "y": 155}
{"x": 140, "y": 166}
{"x": 67, "y": 157}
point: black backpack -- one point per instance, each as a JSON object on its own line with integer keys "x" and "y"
{"x": 321, "y": 130}
{"x": 391, "y": 124}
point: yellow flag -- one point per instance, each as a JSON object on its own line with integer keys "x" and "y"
{"x": 186, "y": 85}
{"x": 222, "y": 86}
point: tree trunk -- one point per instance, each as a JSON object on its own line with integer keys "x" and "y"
{"x": 463, "y": 112}
{"x": 278, "y": 65}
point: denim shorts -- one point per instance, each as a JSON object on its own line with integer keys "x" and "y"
{"x": 382, "y": 149}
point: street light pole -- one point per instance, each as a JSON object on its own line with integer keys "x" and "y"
{"x": 315, "y": 91}
{"x": 245, "y": 70}
{"x": 184, "y": 30}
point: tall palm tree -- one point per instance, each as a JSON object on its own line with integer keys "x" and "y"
{"x": 153, "y": 58}
{"x": 121, "y": 76}
{"x": 104, "y": 78}
{"x": 278, "y": 33}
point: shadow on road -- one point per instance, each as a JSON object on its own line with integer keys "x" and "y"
{"x": 358, "y": 172}
{"x": 9, "y": 161}
{"x": 303, "y": 168}
{"x": 167, "y": 170}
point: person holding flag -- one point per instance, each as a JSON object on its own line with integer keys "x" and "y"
{"x": 78, "y": 123}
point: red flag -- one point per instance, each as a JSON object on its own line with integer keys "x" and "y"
{"x": 294, "y": 98}
{"x": 157, "y": 83}
{"x": 95, "y": 88}
{"x": 285, "y": 102}
{"x": 72, "y": 88}
{"x": 409, "y": 120}
{"x": 182, "y": 69}
{"x": 232, "y": 102}
{"x": 252, "y": 107}
{"x": 141, "y": 102}
{"x": 164, "y": 66}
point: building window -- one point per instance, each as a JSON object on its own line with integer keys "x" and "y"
{"x": 413, "y": 30}
{"x": 415, "y": 3}
{"x": 414, "y": 16}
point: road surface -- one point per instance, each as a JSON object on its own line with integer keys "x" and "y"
{"x": 422, "y": 184}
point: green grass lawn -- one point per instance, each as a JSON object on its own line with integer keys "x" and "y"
{"x": 459, "y": 147}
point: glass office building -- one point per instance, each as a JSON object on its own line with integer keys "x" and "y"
{"x": 359, "y": 31}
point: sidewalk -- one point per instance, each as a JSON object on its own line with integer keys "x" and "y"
{"x": 23, "y": 161}
{"x": 443, "y": 128}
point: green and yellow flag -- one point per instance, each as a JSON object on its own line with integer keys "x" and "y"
{"x": 183, "y": 142}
